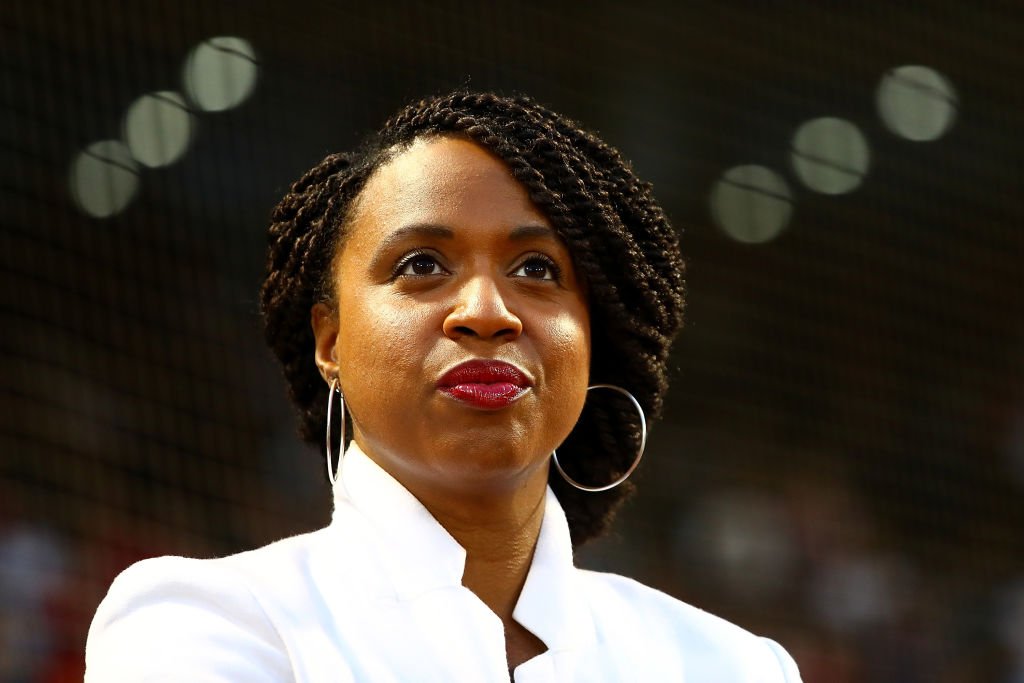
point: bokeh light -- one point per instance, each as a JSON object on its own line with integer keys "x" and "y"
{"x": 104, "y": 178}
{"x": 158, "y": 128}
{"x": 752, "y": 204}
{"x": 830, "y": 155}
{"x": 220, "y": 73}
{"x": 916, "y": 102}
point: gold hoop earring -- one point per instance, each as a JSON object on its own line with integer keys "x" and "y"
{"x": 643, "y": 444}
{"x": 333, "y": 474}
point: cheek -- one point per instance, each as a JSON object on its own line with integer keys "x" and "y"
{"x": 569, "y": 333}
{"x": 569, "y": 359}
{"x": 380, "y": 353}
{"x": 571, "y": 346}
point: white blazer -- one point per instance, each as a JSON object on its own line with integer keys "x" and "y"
{"x": 378, "y": 596}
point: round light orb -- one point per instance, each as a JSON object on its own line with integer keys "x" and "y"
{"x": 103, "y": 179}
{"x": 158, "y": 128}
{"x": 220, "y": 73}
{"x": 752, "y": 204}
{"x": 916, "y": 102}
{"x": 830, "y": 155}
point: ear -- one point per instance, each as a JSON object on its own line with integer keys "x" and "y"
{"x": 325, "y": 333}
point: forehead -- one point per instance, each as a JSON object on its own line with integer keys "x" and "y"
{"x": 448, "y": 181}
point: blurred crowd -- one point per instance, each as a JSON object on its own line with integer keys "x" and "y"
{"x": 803, "y": 561}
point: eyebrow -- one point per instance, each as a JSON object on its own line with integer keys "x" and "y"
{"x": 419, "y": 230}
{"x": 518, "y": 234}
{"x": 413, "y": 230}
{"x": 525, "y": 232}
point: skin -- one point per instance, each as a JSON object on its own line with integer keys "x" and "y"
{"x": 446, "y": 259}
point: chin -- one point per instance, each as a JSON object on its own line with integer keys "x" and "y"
{"x": 479, "y": 460}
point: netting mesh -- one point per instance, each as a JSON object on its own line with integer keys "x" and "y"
{"x": 841, "y": 463}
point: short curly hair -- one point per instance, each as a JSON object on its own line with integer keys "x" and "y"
{"x": 621, "y": 242}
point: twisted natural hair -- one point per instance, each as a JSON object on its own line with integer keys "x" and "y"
{"x": 621, "y": 242}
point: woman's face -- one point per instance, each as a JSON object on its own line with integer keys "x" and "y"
{"x": 447, "y": 262}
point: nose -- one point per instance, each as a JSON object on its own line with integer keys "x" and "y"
{"x": 480, "y": 310}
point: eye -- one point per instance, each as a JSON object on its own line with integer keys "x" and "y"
{"x": 538, "y": 267}
{"x": 418, "y": 263}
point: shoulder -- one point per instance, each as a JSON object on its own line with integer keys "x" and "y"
{"x": 703, "y": 645}
{"x": 176, "y": 618}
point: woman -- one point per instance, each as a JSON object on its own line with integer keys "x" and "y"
{"x": 444, "y": 297}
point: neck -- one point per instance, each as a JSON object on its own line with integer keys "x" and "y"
{"x": 495, "y": 517}
{"x": 498, "y": 525}
{"x": 499, "y": 546}
{"x": 499, "y": 552}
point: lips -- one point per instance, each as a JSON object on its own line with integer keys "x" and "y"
{"x": 485, "y": 384}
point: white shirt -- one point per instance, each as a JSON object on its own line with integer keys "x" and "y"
{"x": 378, "y": 596}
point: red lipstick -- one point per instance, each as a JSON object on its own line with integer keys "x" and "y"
{"x": 484, "y": 384}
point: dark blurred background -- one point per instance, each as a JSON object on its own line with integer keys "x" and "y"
{"x": 841, "y": 463}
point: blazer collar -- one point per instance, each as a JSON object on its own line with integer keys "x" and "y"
{"x": 419, "y": 555}
{"x": 417, "y": 552}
